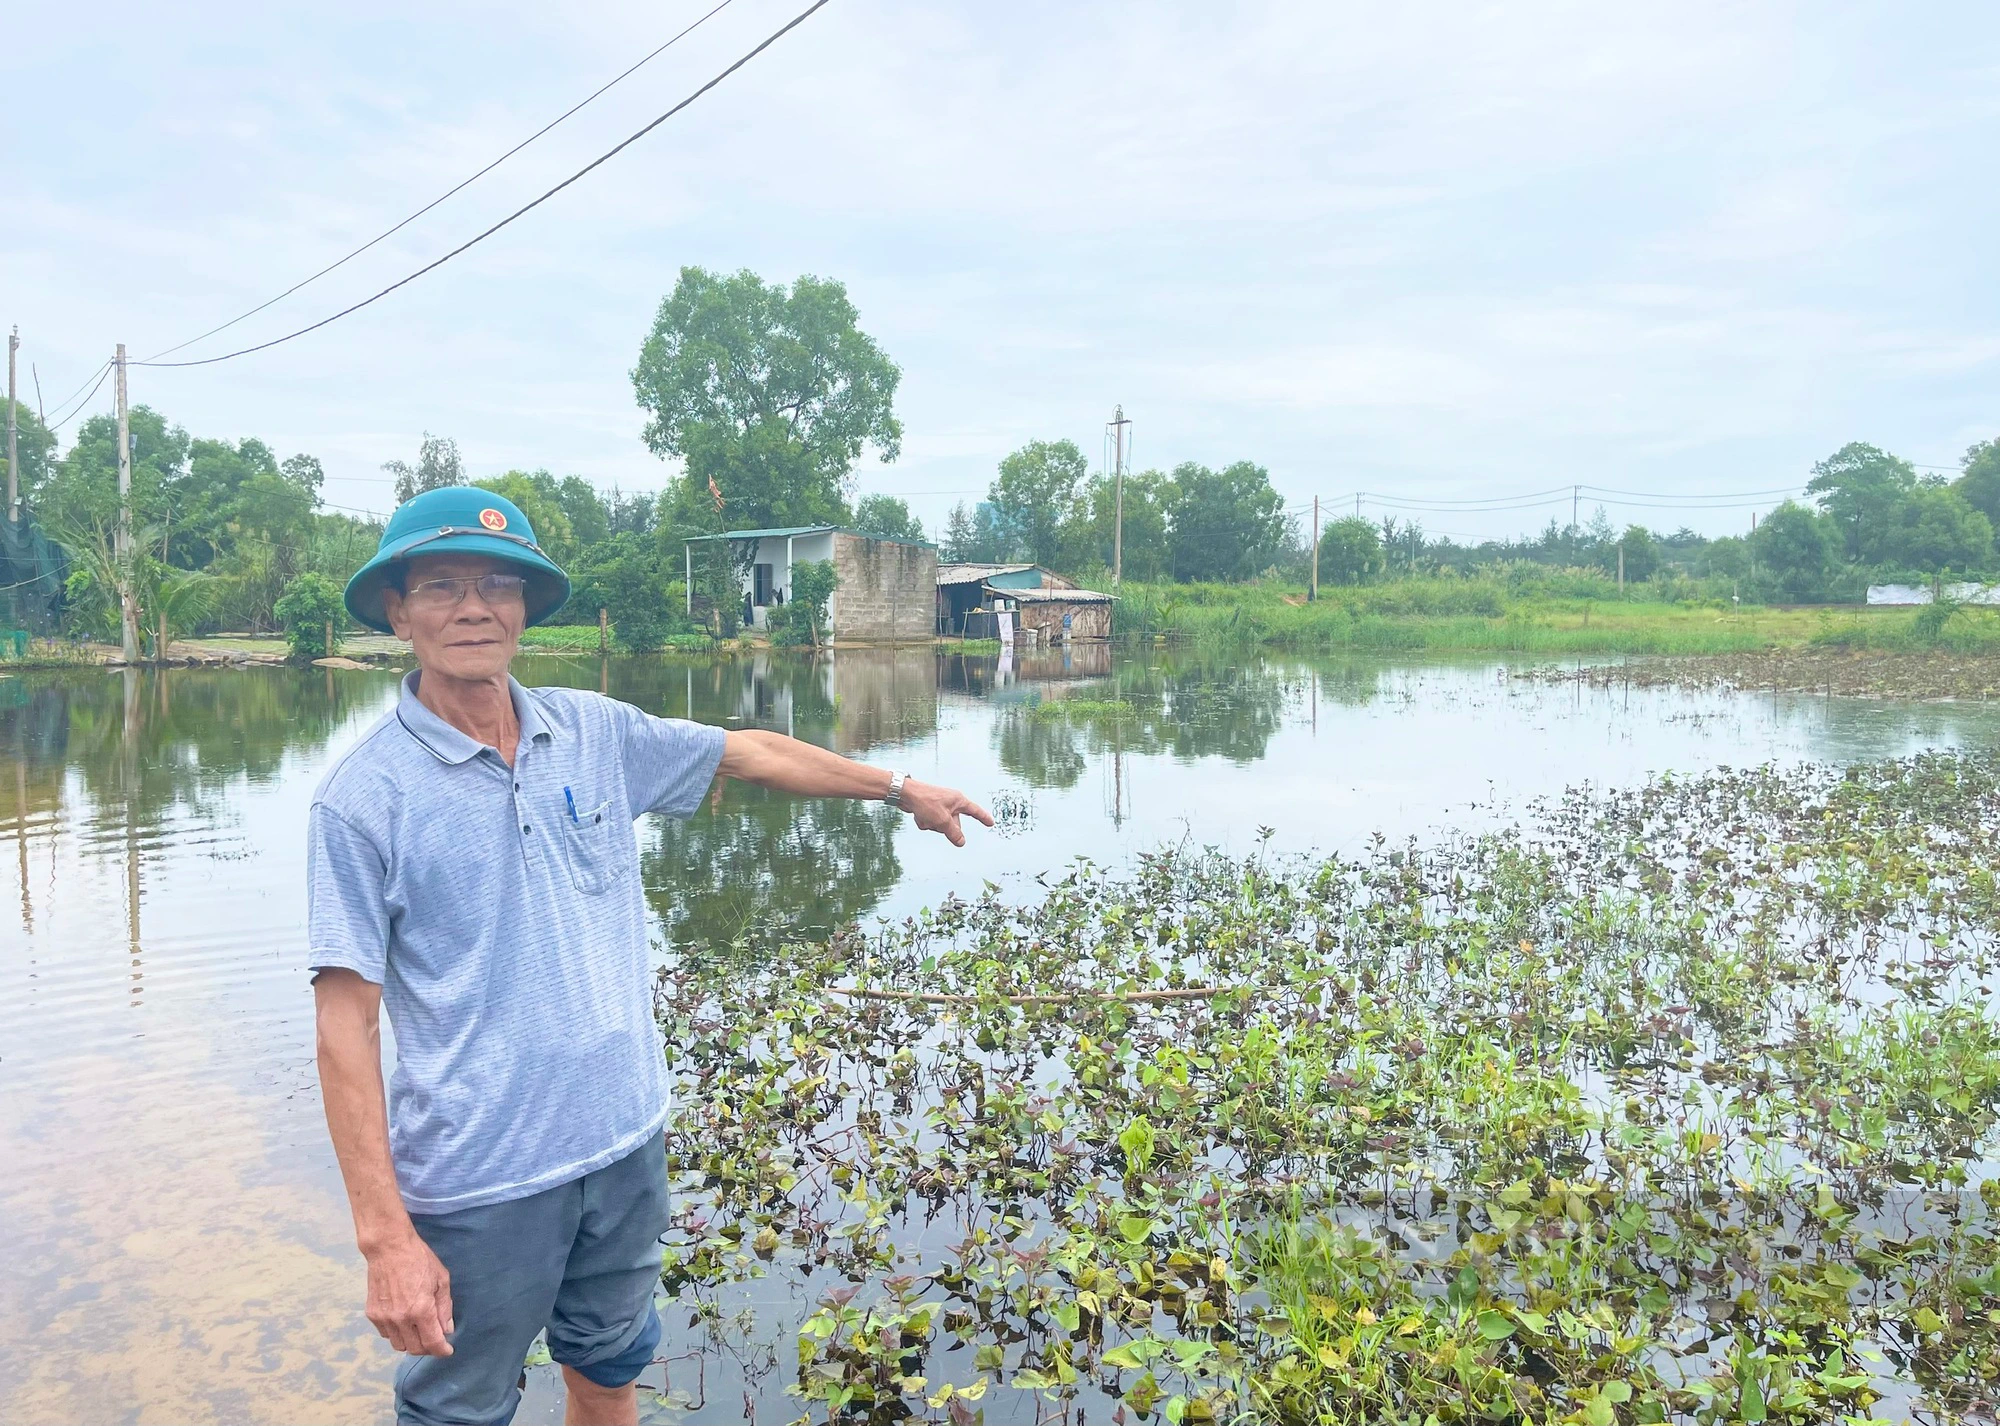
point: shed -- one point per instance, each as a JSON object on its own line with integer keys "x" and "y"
{"x": 1088, "y": 613}
{"x": 961, "y": 588}
{"x": 883, "y": 589}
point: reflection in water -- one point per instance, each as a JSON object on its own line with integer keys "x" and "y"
{"x": 178, "y": 1243}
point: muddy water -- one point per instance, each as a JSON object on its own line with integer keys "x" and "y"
{"x": 176, "y": 1240}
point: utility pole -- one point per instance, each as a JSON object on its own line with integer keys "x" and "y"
{"x": 13, "y": 443}
{"x": 1575, "y": 495}
{"x": 1314, "y": 594}
{"x": 1357, "y": 505}
{"x": 128, "y": 608}
{"x": 1118, "y": 425}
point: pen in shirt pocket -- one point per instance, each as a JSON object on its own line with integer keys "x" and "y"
{"x": 570, "y": 798}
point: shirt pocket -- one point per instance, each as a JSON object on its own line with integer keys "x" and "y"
{"x": 592, "y": 850}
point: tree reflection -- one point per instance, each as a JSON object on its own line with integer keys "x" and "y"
{"x": 759, "y": 869}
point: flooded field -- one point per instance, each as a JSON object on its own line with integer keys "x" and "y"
{"x": 173, "y": 1219}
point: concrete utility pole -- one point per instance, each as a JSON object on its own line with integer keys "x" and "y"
{"x": 1118, "y": 425}
{"x": 1575, "y": 495}
{"x": 13, "y": 443}
{"x": 1315, "y": 584}
{"x": 128, "y": 607}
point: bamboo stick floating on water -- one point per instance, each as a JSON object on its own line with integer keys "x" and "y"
{"x": 1198, "y": 992}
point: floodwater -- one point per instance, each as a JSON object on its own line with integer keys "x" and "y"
{"x": 177, "y": 1244}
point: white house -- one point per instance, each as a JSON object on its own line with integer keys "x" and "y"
{"x": 884, "y": 590}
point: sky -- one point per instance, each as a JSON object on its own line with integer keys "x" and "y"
{"x": 1433, "y": 252}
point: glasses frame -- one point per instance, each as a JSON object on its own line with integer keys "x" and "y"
{"x": 463, "y": 583}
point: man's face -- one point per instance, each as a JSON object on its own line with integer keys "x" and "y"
{"x": 454, "y": 629}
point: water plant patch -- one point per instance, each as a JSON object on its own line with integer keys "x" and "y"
{"x": 1670, "y": 1104}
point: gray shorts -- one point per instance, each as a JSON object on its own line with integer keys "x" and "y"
{"x": 580, "y": 1260}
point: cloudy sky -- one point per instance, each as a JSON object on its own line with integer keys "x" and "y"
{"x": 1434, "y": 251}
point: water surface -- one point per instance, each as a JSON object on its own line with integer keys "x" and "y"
{"x": 178, "y": 1244}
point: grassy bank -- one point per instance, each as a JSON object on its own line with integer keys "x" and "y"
{"x": 1556, "y": 620}
{"x": 1679, "y": 1104}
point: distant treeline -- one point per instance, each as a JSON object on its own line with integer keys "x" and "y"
{"x": 767, "y": 397}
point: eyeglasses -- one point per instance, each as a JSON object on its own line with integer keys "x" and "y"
{"x": 449, "y": 593}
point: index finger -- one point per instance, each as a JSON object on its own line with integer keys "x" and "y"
{"x": 974, "y": 810}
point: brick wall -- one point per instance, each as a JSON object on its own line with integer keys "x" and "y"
{"x": 884, "y": 592}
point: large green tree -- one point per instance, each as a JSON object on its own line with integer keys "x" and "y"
{"x": 1797, "y": 550}
{"x": 1088, "y": 543}
{"x": 1350, "y": 551}
{"x": 1979, "y": 485}
{"x": 888, "y": 517}
{"x": 1035, "y": 494}
{"x": 1935, "y": 529}
{"x": 1224, "y": 525}
{"x": 767, "y": 394}
{"x": 1860, "y": 486}
{"x": 438, "y": 465}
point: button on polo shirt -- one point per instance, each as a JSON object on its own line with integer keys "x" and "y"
{"x": 500, "y": 911}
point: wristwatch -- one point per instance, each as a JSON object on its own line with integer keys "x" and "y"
{"x": 895, "y": 797}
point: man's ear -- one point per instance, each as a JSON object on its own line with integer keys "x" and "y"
{"x": 392, "y": 608}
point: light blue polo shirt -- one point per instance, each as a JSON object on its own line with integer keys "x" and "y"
{"x": 508, "y": 935}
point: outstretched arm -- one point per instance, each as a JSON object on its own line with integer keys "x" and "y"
{"x": 787, "y": 765}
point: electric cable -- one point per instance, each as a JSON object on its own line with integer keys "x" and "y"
{"x": 103, "y": 373}
{"x": 595, "y": 163}
{"x": 340, "y": 262}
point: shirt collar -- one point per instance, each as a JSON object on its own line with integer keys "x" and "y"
{"x": 451, "y": 745}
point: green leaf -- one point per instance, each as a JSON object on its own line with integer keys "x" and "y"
{"x": 1750, "y": 1401}
{"x": 1494, "y": 1327}
{"x": 1135, "y": 1228}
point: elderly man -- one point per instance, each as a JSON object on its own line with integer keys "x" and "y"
{"x": 472, "y": 864}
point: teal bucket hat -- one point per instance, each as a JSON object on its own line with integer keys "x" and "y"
{"x": 457, "y": 520}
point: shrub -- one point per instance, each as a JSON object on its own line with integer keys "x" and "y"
{"x": 308, "y": 604}
{"x": 802, "y": 618}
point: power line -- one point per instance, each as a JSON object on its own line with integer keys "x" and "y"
{"x": 103, "y": 372}
{"x": 391, "y": 232}
{"x": 770, "y": 40}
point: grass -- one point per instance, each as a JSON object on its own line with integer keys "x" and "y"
{"x": 1487, "y": 616}
{"x": 1674, "y": 1104}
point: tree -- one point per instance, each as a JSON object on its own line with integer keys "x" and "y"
{"x": 802, "y": 618}
{"x": 1935, "y": 529}
{"x": 1728, "y": 557}
{"x": 959, "y": 535}
{"x": 1035, "y": 494}
{"x": 1087, "y": 540}
{"x": 978, "y": 536}
{"x": 1797, "y": 550}
{"x": 1860, "y": 486}
{"x": 887, "y": 517}
{"x": 1979, "y": 485}
{"x": 625, "y": 577}
{"x": 37, "y": 445}
{"x": 769, "y": 393}
{"x": 1642, "y": 553}
{"x": 1224, "y": 525}
{"x": 312, "y": 602}
{"x": 1350, "y": 552}
{"x": 438, "y": 465}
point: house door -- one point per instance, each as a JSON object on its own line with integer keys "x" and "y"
{"x": 760, "y": 593}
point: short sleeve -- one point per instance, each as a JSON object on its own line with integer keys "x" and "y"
{"x": 347, "y": 909}
{"x": 669, "y": 762}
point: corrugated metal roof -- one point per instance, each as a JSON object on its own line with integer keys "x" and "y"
{"x": 1056, "y": 596}
{"x": 765, "y": 534}
{"x": 975, "y": 573}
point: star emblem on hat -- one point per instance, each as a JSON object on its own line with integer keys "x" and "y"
{"x": 492, "y": 519}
